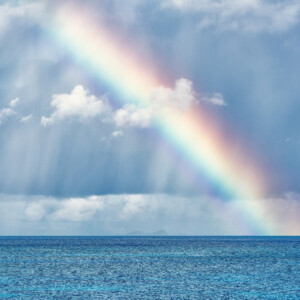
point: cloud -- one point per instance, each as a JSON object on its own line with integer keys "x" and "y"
{"x": 80, "y": 106}
{"x": 31, "y": 11}
{"x": 134, "y": 205}
{"x": 77, "y": 209}
{"x": 14, "y": 102}
{"x": 34, "y": 211}
{"x": 216, "y": 99}
{"x": 111, "y": 214}
{"x": 72, "y": 209}
{"x": 114, "y": 207}
{"x": 133, "y": 115}
{"x": 182, "y": 97}
{"x": 85, "y": 209}
{"x": 119, "y": 214}
{"x": 117, "y": 133}
{"x": 5, "y": 113}
{"x": 249, "y": 15}
{"x": 77, "y": 106}
{"x": 25, "y": 119}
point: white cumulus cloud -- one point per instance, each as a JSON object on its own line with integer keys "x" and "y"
{"x": 5, "y": 113}
{"x": 216, "y": 99}
{"x": 26, "y": 119}
{"x": 78, "y": 105}
{"x": 181, "y": 97}
{"x": 10, "y": 110}
{"x": 117, "y": 133}
{"x": 14, "y": 102}
{"x": 133, "y": 115}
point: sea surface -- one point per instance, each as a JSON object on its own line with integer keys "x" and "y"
{"x": 149, "y": 267}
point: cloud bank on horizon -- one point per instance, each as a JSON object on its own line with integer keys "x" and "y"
{"x": 127, "y": 214}
{"x": 73, "y": 150}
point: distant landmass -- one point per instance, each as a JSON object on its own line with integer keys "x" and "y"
{"x": 141, "y": 233}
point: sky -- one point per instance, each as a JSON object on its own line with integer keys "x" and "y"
{"x": 149, "y": 117}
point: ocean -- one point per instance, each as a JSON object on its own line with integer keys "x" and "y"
{"x": 149, "y": 267}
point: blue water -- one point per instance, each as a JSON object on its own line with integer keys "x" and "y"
{"x": 150, "y": 267}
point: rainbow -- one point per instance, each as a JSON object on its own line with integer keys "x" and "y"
{"x": 192, "y": 133}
